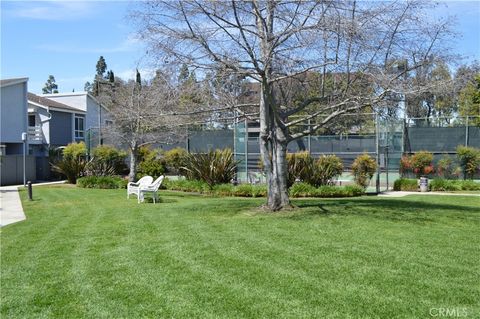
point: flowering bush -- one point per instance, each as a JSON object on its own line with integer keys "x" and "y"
{"x": 422, "y": 163}
{"x": 405, "y": 165}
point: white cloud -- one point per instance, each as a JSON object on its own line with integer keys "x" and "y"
{"x": 52, "y": 10}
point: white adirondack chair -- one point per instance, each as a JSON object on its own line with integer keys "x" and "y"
{"x": 150, "y": 189}
{"x": 134, "y": 188}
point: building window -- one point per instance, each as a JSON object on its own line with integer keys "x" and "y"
{"x": 79, "y": 127}
{"x": 108, "y": 122}
{"x": 31, "y": 120}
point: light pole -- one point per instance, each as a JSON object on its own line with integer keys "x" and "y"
{"x": 24, "y": 139}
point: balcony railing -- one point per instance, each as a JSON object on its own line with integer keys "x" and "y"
{"x": 35, "y": 134}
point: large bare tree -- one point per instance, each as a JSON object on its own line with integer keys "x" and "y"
{"x": 142, "y": 114}
{"x": 271, "y": 41}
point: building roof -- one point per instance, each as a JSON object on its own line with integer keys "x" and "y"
{"x": 7, "y": 82}
{"x": 51, "y": 103}
{"x": 80, "y": 93}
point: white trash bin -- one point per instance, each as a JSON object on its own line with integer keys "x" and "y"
{"x": 423, "y": 184}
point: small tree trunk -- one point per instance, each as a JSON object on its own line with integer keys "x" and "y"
{"x": 133, "y": 162}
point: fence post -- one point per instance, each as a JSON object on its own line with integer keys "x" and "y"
{"x": 309, "y": 139}
{"x": 246, "y": 150}
{"x": 377, "y": 147}
{"x": 466, "y": 131}
{"x": 187, "y": 141}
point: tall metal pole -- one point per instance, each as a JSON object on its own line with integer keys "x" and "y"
{"x": 246, "y": 150}
{"x": 377, "y": 146}
{"x": 24, "y": 139}
{"x": 309, "y": 139}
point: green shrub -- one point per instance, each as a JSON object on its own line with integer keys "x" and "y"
{"x": 223, "y": 190}
{"x": 363, "y": 169}
{"x": 175, "y": 159}
{"x": 405, "y": 184}
{"x": 249, "y": 190}
{"x": 325, "y": 191}
{"x": 354, "y": 190}
{"x": 185, "y": 185}
{"x": 103, "y": 182}
{"x": 469, "y": 158}
{"x": 469, "y": 185}
{"x": 244, "y": 190}
{"x": 327, "y": 168}
{"x": 259, "y": 190}
{"x": 214, "y": 167}
{"x": 422, "y": 163}
{"x": 445, "y": 167}
{"x": 300, "y": 167}
{"x": 150, "y": 163}
{"x": 109, "y": 156}
{"x": 328, "y": 191}
{"x": 75, "y": 150}
{"x": 440, "y": 184}
{"x": 302, "y": 190}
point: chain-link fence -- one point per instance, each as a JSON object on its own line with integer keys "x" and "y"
{"x": 387, "y": 141}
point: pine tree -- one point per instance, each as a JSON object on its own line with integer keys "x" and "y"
{"x": 110, "y": 76}
{"x": 88, "y": 87}
{"x": 50, "y": 86}
{"x": 101, "y": 66}
{"x": 138, "y": 78}
{"x": 184, "y": 73}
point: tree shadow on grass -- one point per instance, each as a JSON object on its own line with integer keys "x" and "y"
{"x": 385, "y": 209}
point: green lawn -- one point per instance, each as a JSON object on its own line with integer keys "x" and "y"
{"x": 93, "y": 254}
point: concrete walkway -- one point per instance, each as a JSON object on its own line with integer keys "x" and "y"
{"x": 402, "y": 194}
{"x": 11, "y": 210}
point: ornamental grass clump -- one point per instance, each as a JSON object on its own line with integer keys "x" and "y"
{"x": 327, "y": 169}
{"x": 363, "y": 169}
{"x": 300, "y": 167}
{"x": 72, "y": 163}
{"x": 214, "y": 167}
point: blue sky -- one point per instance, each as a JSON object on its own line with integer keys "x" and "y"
{"x": 66, "y": 38}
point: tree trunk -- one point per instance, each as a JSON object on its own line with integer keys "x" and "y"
{"x": 273, "y": 149}
{"x": 133, "y": 162}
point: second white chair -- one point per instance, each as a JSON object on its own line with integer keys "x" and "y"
{"x": 151, "y": 188}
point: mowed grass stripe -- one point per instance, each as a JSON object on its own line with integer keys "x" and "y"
{"x": 39, "y": 278}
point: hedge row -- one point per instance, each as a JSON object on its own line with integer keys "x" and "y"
{"x": 438, "y": 184}
{"x": 307, "y": 190}
{"x": 247, "y": 190}
{"x": 104, "y": 182}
